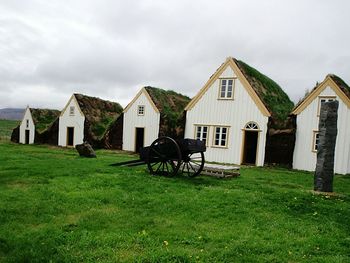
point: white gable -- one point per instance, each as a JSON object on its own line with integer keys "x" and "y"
{"x": 27, "y": 125}
{"x": 307, "y": 123}
{"x": 132, "y": 120}
{"x": 234, "y": 113}
{"x": 71, "y": 116}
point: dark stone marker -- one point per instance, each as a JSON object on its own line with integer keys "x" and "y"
{"x": 85, "y": 150}
{"x": 327, "y": 127}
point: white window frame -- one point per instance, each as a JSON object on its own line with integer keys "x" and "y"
{"x": 71, "y": 110}
{"x": 220, "y": 137}
{"x": 315, "y": 140}
{"x": 224, "y": 95}
{"x": 199, "y": 133}
{"x": 251, "y": 126}
{"x": 141, "y": 110}
{"x": 324, "y": 99}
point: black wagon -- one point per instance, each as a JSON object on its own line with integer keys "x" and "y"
{"x": 168, "y": 157}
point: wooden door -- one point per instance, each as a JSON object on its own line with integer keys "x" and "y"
{"x": 27, "y": 136}
{"x": 70, "y": 136}
{"x": 140, "y": 138}
{"x": 250, "y": 147}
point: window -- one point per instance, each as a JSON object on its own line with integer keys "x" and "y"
{"x": 226, "y": 89}
{"x": 71, "y": 110}
{"x": 220, "y": 137}
{"x": 316, "y": 141}
{"x": 323, "y": 100}
{"x": 202, "y": 133}
{"x": 141, "y": 110}
{"x": 251, "y": 126}
{"x": 27, "y": 123}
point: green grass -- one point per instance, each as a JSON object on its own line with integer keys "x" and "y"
{"x": 56, "y": 206}
{"x": 6, "y": 127}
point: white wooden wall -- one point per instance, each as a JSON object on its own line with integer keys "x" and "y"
{"x": 150, "y": 121}
{"x": 23, "y": 128}
{"x": 67, "y": 120}
{"x": 307, "y": 122}
{"x": 233, "y": 113}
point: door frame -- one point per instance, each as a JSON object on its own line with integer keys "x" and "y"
{"x": 257, "y": 142}
{"x": 67, "y": 133}
{"x": 144, "y": 136}
{"x": 26, "y": 131}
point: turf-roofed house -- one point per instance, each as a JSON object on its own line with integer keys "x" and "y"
{"x": 307, "y": 113}
{"x": 233, "y": 113}
{"x": 152, "y": 113}
{"x": 85, "y": 119}
{"x": 35, "y": 122}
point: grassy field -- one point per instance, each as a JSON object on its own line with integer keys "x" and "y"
{"x": 58, "y": 207}
{"x": 6, "y": 127}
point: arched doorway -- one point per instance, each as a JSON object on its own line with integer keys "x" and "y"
{"x": 250, "y": 143}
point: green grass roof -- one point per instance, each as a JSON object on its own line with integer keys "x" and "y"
{"x": 99, "y": 114}
{"x": 171, "y": 106}
{"x": 42, "y": 118}
{"x": 341, "y": 83}
{"x": 270, "y": 93}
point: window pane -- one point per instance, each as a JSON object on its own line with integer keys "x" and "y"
{"x": 205, "y": 128}
{"x": 216, "y": 142}
{"x": 204, "y": 135}
{"x": 222, "y": 94}
{"x": 223, "y": 142}
{"x": 223, "y": 88}
{"x": 229, "y": 94}
{"x": 317, "y": 140}
{"x": 224, "y": 130}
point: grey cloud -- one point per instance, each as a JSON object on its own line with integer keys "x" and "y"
{"x": 50, "y": 49}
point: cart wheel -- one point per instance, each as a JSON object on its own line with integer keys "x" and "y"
{"x": 164, "y": 157}
{"x": 193, "y": 164}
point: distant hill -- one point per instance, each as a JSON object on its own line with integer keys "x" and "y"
{"x": 11, "y": 114}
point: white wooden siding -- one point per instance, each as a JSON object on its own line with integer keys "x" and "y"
{"x": 67, "y": 120}
{"x": 235, "y": 113}
{"x": 307, "y": 122}
{"x": 23, "y": 127}
{"x": 149, "y": 121}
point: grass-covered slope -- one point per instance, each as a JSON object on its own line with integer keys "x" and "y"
{"x": 58, "y": 207}
{"x": 341, "y": 83}
{"x": 6, "y": 127}
{"x": 43, "y": 118}
{"x": 271, "y": 94}
{"x": 171, "y": 106}
{"x": 99, "y": 114}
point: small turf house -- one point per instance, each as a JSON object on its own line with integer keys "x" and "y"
{"x": 33, "y": 125}
{"x": 307, "y": 119}
{"x": 86, "y": 118}
{"x": 152, "y": 113}
{"x": 232, "y": 113}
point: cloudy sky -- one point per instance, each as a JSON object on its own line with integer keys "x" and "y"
{"x": 110, "y": 49}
